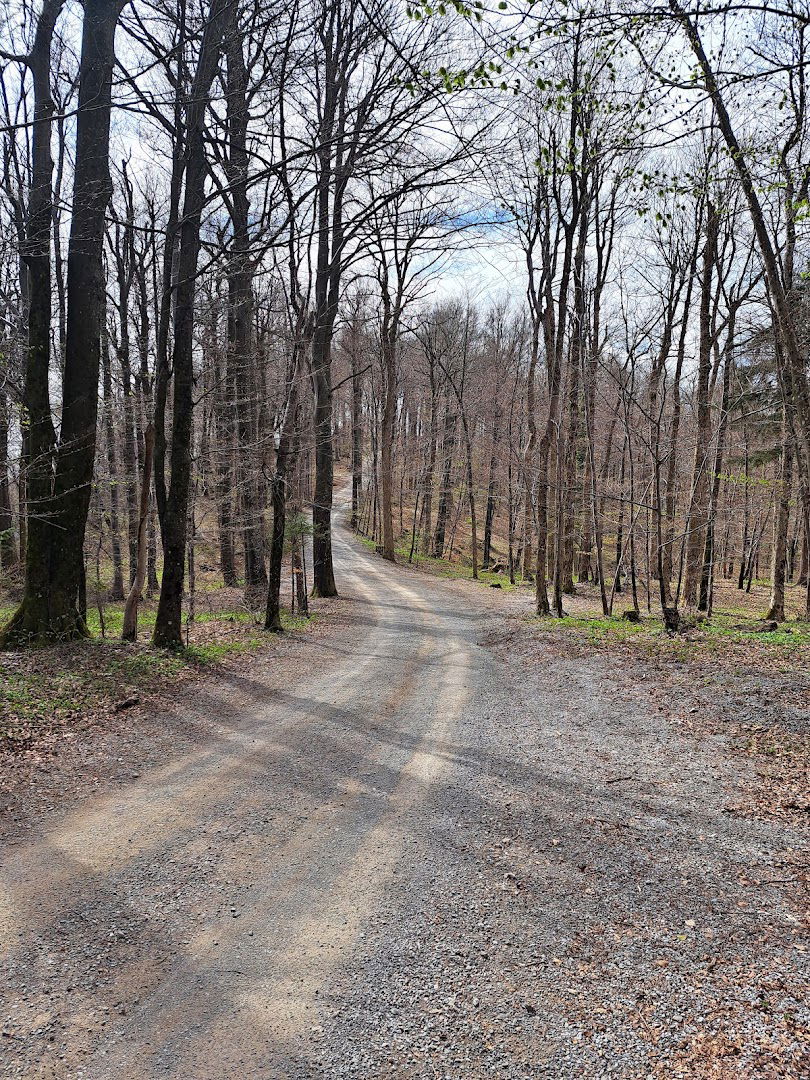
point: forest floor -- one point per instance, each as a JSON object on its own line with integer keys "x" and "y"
{"x": 49, "y": 694}
{"x": 432, "y": 838}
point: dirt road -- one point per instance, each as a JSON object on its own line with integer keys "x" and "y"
{"x": 415, "y": 859}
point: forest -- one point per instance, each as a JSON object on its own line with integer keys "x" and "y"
{"x": 531, "y": 277}
{"x": 404, "y": 539}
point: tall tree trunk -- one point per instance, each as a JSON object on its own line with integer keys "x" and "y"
{"x": 698, "y": 516}
{"x": 388, "y": 342}
{"x": 56, "y": 610}
{"x": 125, "y": 266}
{"x": 566, "y": 491}
{"x": 8, "y": 547}
{"x": 357, "y": 439}
{"x": 705, "y": 600}
{"x": 655, "y": 410}
{"x": 129, "y": 460}
{"x": 224, "y": 430}
{"x": 776, "y": 608}
{"x": 117, "y": 588}
{"x": 569, "y": 486}
{"x": 173, "y": 503}
{"x": 468, "y": 455}
{"x": 425, "y": 529}
{"x": 445, "y": 491}
{"x": 241, "y": 353}
{"x": 617, "y": 577}
{"x": 591, "y": 524}
{"x": 323, "y": 573}
{"x": 279, "y": 485}
{"x": 489, "y": 518}
{"x": 32, "y": 618}
{"x": 130, "y": 628}
{"x": 555, "y": 318}
{"x": 804, "y": 512}
{"x": 670, "y": 500}
{"x": 86, "y": 289}
{"x": 529, "y": 453}
{"x": 596, "y": 516}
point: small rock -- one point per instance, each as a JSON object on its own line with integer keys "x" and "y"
{"x": 127, "y": 703}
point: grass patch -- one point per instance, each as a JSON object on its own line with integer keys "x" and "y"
{"x": 726, "y": 636}
{"x": 60, "y": 686}
{"x": 444, "y": 568}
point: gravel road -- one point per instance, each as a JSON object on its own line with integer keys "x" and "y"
{"x": 410, "y": 854}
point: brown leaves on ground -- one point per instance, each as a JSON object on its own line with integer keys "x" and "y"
{"x": 751, "y": 689}
{"x": 48, "y": 691}
{"x": 733, "y": 1054}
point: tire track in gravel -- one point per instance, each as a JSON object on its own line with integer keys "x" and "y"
{"x": 280, "y": 839}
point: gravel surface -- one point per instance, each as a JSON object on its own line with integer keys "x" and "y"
{"x": 582, "y": 905}
{"x": 418, "y": 854}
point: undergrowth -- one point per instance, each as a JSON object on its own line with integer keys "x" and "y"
{"x": 445, "y": 568}
{"x": 726, "y": 636}
{"x": 60, "y": 685}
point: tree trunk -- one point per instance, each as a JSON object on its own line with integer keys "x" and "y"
{"x": 32, "y": 618}
{"x": 117, "y": 589}
{"x": 430, "y": 469}
{"x": 8, "y": 548}
{"x": 542, "y": 606}
{"x": 357, "y": 439}
{"x": 470, "y": 491}
{"x": 804, "y": 511}
{"x": 388, "y": 342}
{"x": 705, "y": 600}
{"x": 85, "y": 311}
{"x": 224, "y": 431}
{"x": 569, "y": 485}
{"x": 323, "y": 573}
{"x": 596, "y": 516}
{"x": 174, "y": 504}
{"x": 776, "y": 608}
{"x": 592, "y": 523}
{"x": 55, "y": 611}
{"x": 528, "y": 455}
{"x": 698, "y": 516}
{"x": 489, "y": 517}
{"x": 670, "y": 498}
{"x": 125, "y": 262}
{"x": 272, "y": 620}
{"x": 445, "y": 492}
{"x": 241, "y": 353}
{"x": 130, "y": 628}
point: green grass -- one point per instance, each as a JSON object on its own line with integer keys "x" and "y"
{"x": 146, "y": 664}
{"x": 29, "y": 696}
{"x": 440, "y": 567}
{"x": 722, "y": 629}
{"x": 57, "y": 684}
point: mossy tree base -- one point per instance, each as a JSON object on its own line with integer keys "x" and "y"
{"x": 37, "y": 622}
{"x": 324, "y": 594}
{"x": 168, "y": 637}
